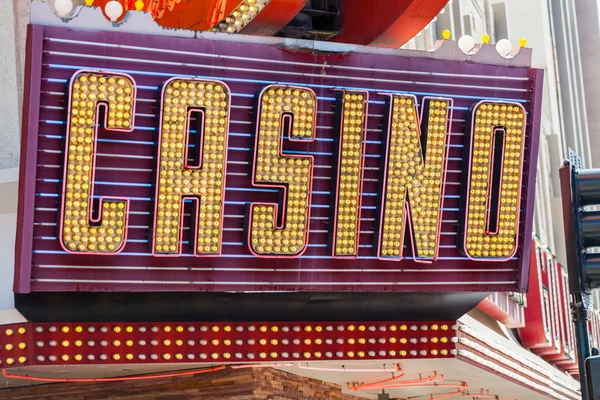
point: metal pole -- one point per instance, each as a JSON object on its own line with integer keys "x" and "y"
{"x": 580, "y": 318}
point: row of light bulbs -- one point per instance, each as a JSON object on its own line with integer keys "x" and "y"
{"x": 466, "y": 43}
{"x": 239, "y": 328}
{"x": 235, "y": 22}
{"x": 123, "y": 342}
{"x": 504, "y": 47}
{"x": 113, "y": 9}
{"x": 241, "y": 356}
{"x": 241, "y": 16}
{"x": 238, "y": 342}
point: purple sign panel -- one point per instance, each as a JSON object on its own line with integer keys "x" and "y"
{"x": 167, "y": 164}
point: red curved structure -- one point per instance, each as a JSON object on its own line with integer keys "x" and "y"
{"x": 203, "y": 15}
{"x": 385, "y": 23}
{"x": 375, "y": 22}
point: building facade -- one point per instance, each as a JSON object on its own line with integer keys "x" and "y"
{"x": 494, "y": 342}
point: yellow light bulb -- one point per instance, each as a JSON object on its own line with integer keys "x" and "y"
{"x": 522, "y": 42}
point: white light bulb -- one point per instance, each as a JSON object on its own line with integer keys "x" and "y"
{"x": 443, "y": 10}
{"x": 466, "y": 43}
{"x": 503, "y": 47}
{"x": 63, "y": 7}
{"x": 113, "y": 10}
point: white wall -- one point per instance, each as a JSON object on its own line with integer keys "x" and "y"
{"x": 8, "y": 222}
{"x": 14, "y": 17}
{"x": 8, "y": 227}
{"x": 531, "y": 20}
{"x": 589, "y": 39}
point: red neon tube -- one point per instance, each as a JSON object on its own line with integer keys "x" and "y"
{"x": 391, "y": 382}
{"x": 124, "y": 378}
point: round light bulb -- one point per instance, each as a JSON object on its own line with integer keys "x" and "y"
{"x": 466, "y": 43}
{"x": 522, "y": 42}
{"x": 503, "y": 47}
{"x": 63, "y": 7}
{"x": 113, "y": 10}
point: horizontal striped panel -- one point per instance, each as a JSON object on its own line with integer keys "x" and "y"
{"x": 125, "y": 165}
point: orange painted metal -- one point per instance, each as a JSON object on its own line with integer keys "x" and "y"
{"x": 385, "y": 23}
{"x": 202, "y": 15}
{"x": 197, "y": 14}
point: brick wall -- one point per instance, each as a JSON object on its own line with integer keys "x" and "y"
{"x": 241, "y": 384}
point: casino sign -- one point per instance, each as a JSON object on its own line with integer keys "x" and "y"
{"x": 160, "y": 163}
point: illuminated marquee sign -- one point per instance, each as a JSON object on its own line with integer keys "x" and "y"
{"x": 154, "y": 168}
{"x": 413, "y": 183}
